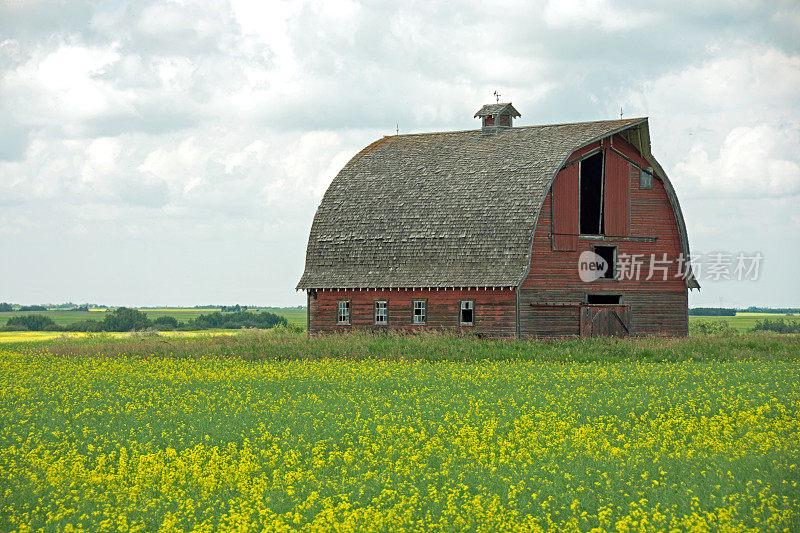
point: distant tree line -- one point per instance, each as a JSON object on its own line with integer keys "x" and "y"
{"x": 712, "y": 311}
{"x": 6, "y": 307}
{"x": 773, "y": 310}
{"x": 233, "y": 308}
{"x": 726, "y": 311}
{"x": 127, "y": 319}
{"x": 32, "y": 308}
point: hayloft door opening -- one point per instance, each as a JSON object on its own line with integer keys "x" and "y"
{"x": 591, "y": 195}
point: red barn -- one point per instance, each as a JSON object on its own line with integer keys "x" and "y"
{"x": 554, "y": 230}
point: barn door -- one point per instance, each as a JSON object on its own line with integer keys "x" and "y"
{"x": 565, "y": 209}
{"x": 616, "y": 206}
{"x": 605, "y": 320}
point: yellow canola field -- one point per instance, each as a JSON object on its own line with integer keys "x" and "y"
{"x": 138, "y": 444}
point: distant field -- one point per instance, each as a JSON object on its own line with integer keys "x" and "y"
{"x": 9, "y": 337}
{"x": 295, "y": 316}
{"x": 743, "y": 321}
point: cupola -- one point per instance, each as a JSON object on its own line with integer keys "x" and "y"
{"x": 497, "y": 116}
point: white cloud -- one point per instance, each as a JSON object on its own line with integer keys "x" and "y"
{"x": 753, "y": 162}
{"x": 592, "y": 13}
{"x": 727, "y": 126}
{"x": 744, "y": 80}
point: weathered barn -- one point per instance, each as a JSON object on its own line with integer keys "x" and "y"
{"x": 490, "y": 230}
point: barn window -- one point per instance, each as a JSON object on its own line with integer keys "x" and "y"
{"x": 603, "y": 299}
{"x": 646, "y": 178}
{"x": 380, "y": 313}
{"x": 609, "y": 255}
{"x": 467, "y": 314}
{"x": 488, "y": 121}
{"x": 591, "y": 195}
{"x": 419, "y": 312}
{"x": 343, "y": 314}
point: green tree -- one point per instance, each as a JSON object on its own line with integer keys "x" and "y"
{"x": 126, "y": 319}
{"x": 165, "y": 323}
{"x": 32, "y": 323}
{"x": 236, "y": 320}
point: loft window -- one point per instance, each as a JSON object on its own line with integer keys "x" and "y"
{"x": 504, "y": 120}
{"x": 591, "y": 195}
{"x": 467, "y": 314}
{"x": 419, "y": 312}
{"x": 380, "y": 313}
{"x": 607, "y": 299}
{"x": 609, "y": 255}
{"x": 343, "y": 312}
{"x": 488, "y": 121}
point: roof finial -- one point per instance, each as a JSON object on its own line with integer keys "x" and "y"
{"x": 620, "y": 112}
{"x": 397, "y": 129}
{"x": 497, "y": 97}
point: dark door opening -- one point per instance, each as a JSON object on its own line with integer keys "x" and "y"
{"x": 608, "y": 253}
{"x": 591, "y": 200}
{"x": 603, "y": 299}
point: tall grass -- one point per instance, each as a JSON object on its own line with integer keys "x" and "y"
{"x": 288, "y": 344}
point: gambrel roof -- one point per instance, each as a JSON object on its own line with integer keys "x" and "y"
{"x": 450, "y": 209}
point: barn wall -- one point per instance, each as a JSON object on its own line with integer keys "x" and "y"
{"x": 657, "y": 307}
{"x": 495, "y": 310}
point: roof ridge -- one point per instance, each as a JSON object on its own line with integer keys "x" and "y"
{"x": 631, "y": 120}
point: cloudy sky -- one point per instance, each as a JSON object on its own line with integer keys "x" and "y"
{"x": 156, "y": 153}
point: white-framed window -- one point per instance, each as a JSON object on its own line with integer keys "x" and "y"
{"x": 467, "y": 313}
{"x": 646, "y": 178}
{"x": 343, "y": 312}
{"x": 381, "y": 307}
{"x": 420, "y": 315}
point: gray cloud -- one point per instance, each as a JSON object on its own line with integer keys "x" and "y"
{"x": 183, "y": 131}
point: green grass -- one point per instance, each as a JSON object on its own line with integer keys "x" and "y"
{"x": 275, "y": 430}
{"x": 743, "y": 321}
{"x": 59, "y": 317}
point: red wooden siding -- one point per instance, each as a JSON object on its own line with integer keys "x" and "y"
{"x": 616, "y": 203}
{"x": 495, "y": 310}
{"x": 656, "y": 306}
{"x": 565, "y": 200}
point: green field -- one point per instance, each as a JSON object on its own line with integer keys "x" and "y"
{"x": 61, "y": 317}
{"x": 276, "y": 431}
{"x": 744, "y": 321}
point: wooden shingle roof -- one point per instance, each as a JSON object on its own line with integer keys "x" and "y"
{"x": 451, "y": 209}
{"x": 497, "y": 109}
